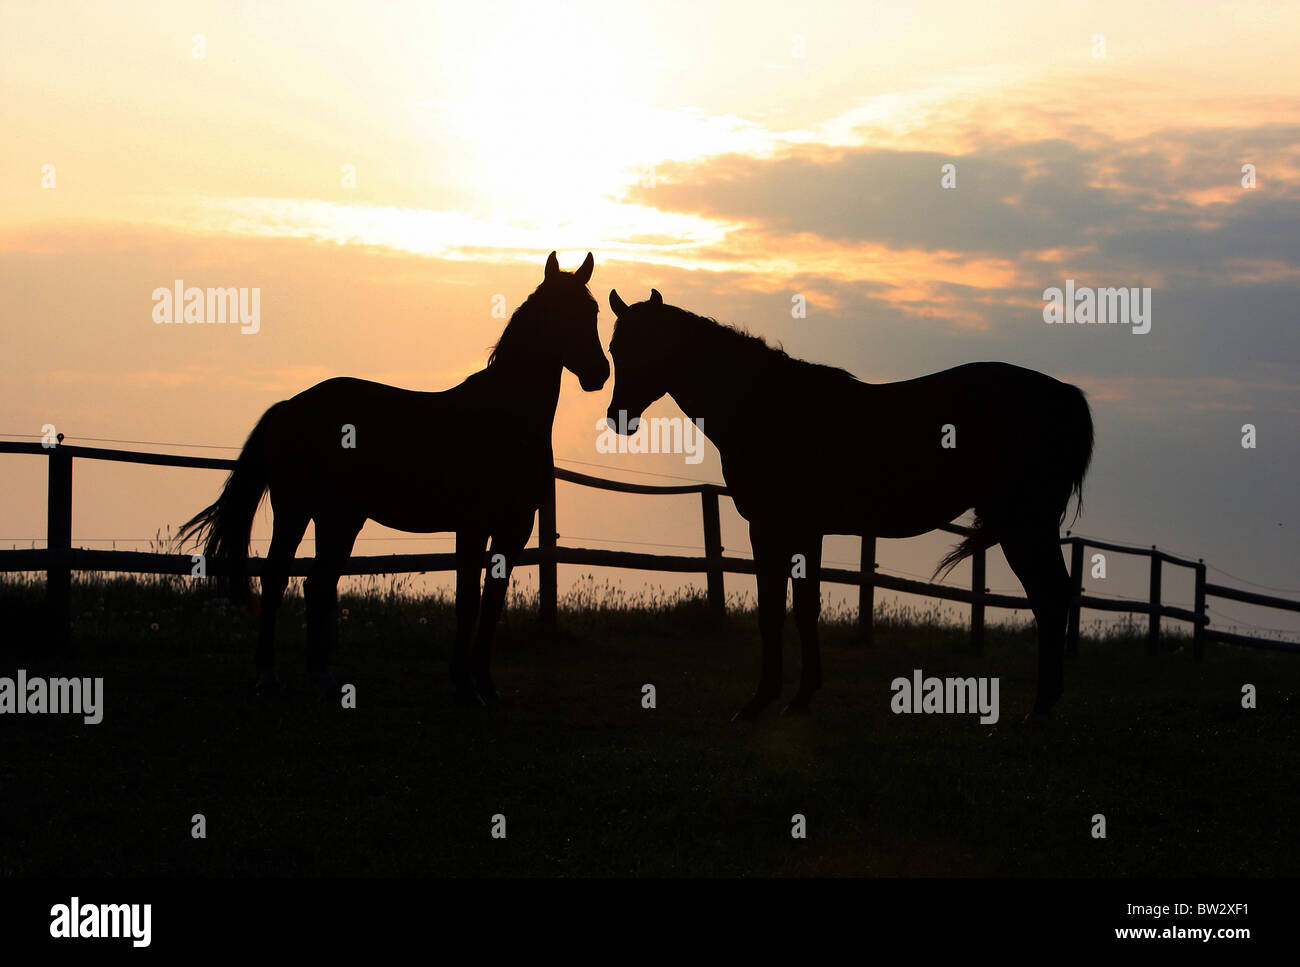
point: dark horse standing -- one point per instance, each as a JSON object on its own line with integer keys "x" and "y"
{"x": 810, "y": 450}
{"x": 475, "y": 459}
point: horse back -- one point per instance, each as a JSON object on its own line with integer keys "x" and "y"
{"x": 419, "y": 461}
{"x": 833, "y": 453}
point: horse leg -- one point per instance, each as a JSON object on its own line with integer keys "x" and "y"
{"x": 289, "y": 526}
{"x": 334, "y": 540}
{"x": 507, "y": 543}
{"x": 469, "y": 566}
{"x": 807, "y": 609}
{"x": 1034, "y": 553}
{"x": 772, "y": 567}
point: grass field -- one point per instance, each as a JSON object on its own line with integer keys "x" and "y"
{"x": 592, "y": 784}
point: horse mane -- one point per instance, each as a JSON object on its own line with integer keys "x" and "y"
{"x": 517, "y": 332}
{"x": 741, "y": 344}
{"x": 515, "y": 328}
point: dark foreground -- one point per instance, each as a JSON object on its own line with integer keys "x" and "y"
{"x": 592, "y": 784}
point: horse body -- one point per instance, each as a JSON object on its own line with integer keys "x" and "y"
{"x": 809, "y": 450}
{"x": 884, "y": 471}
{"x": 475, "y": 459}
{"x": 422, "y": 462}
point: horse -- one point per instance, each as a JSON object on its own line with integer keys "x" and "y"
{"x": 809, "y": 450}
{"x": 475, "y": 459}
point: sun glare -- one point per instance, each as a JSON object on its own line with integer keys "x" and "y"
{"x": 530, "y": 114}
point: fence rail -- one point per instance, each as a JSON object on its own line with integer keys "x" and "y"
{"x": 59, "y": 559}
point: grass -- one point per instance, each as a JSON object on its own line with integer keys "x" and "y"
{"x": 592, "y": 784}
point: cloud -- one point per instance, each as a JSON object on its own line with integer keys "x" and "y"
{"x": 1136, "y": 202}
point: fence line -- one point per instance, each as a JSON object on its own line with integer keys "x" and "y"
{"x": 59, "y": 559}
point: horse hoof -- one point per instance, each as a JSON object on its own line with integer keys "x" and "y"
{"x": 751, "y": 710}
{"x": 327, "y": 688}
{"x": 466, "y": 697}
{"x": 465, "y": 690}
{"x": 268, "y": 686}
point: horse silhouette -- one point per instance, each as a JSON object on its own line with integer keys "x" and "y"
{"x": 475, "y": 459}
{"x": 809, "y": 450}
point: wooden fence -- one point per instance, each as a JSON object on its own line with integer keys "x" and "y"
{"x": 59, "y": 559}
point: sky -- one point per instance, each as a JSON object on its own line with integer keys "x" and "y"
{"x": 384, "y": 172}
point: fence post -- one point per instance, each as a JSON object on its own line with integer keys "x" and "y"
{"x": 1198, "y": 632}
{"x": 547, "y": 579}
{"x": 977, "y": 600}
{"x": 1076, "y": 595}
{"x": 1153, "y": 626}
{"x": 867, "y": 591}
{"x": 713, "y": 552}
{"x": 58, "y": 541}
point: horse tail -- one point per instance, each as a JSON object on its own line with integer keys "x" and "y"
{"x": 981, "y": 538}
{"x": 1077, "y": 439}
{"x": 223, "y": 529}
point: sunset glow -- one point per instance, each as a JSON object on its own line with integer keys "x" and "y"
{"x": 382, "y": 172}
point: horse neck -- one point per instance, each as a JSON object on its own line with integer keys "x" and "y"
{"x": 529, "y": 386}
{"x": 525, "y": 373}
{"x": 710, "y": 382}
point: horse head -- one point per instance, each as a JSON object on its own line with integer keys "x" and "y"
{"x": 639, "y": 352}
{"x": 570, "y": 312}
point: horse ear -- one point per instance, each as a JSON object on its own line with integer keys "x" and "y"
{"x": 655, "y": 298}
{"x": 552, "y": 266}
{"x": 617, "y": 304}
{"x": 583, "y": 274}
